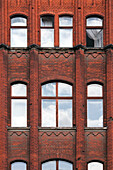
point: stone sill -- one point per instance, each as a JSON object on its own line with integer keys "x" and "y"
{"x": 57, "y": 128}
{"x": 18, "y": 128}
{"x": 95, "y": 128}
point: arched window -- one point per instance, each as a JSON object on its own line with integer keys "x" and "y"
{"x": 56, "y": 105}
{"x": 57, "y": 165}
{"x": 19, "y": 166}
{"x": 19, "y": 105}
{"x": 95, "y": 166}
{"x": 47, "y": 31}
{"x": 95, "y": 105}
{"x": 94, "y": 32}
{"x": 18, "y": 32}
{"x": 65, "y": 31}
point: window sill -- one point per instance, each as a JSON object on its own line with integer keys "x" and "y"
{"x": 18, "y": 128}
{"x": 56, "y": 128}
{"x": 95, "y": 128}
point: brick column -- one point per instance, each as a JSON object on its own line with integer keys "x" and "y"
{"x": 3, "y": 109}
{"x": 80, "y": 110}
{"x": 109, "y": 54}
{"x": 33, "y": 109}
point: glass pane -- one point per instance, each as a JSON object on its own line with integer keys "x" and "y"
{"x": 94, "y": 21}
{"x": 18, "y": 21}
{"x": 66, "y": 21}
{"x": 18, "y": 37}
{"x": 95, "y": 113}
{"x": 18, "y": 166}
{"x": 19, "y": 90}
{"x": 19, "y": 113}
{"x": 49, "y": 89}
{"x": 64, "y": 89}
{"x": 95, "y": 166}
{"x": 65, "y": 113}
{"x": 48, "y": 113}
{"x": 63, "y": 165}
{"x": 47, "y": 37}
{"x": 66, "y": 38}
{"x": 94, "y": 90}
{"x": 51, "y": 165}
{"x": 47, "y": 21}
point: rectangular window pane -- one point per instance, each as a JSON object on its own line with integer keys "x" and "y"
{"x": 65, "y": 21}
{"x": 64, "y": 90}
{"x": 51, "y": 165}
{"x": 66, "y": 38}
{"x": 48, "y": 113}
{"x": 19, "y": 113}
{"x": 94, "y": 90}
{"x": 65, "y": 113}
{"x": 95, "y": 113}
{"x": 63, "y": 165}
{"x": 18, "y": 166}
{"x": 19, "y": 90}
{"x": 18, "y": 37}
{"x": 95, "y": 166}
{"x": 94, "y": 21}
{"x": 47, "y": 37}
{"x": 18, "y": 21}
{"x": 49, "y": 89}
{"x": 47, "y": 21}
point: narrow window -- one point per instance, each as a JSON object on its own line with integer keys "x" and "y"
{"x": 94, "y": 32}
{"x": 94, "y": 105}
{"x": 65, "y": 31}
{"x": 19, "y": 105}
{"x": 57, "y": 165}
{"x": 18, "y": 166}
{"x": 47, "y": 31}
{"x": 18, "y": 32}
{"x": 95, "y": 166}
{"x": 57, "y": 105}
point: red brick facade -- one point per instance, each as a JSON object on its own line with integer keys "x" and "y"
{"x": 35, "y": 65}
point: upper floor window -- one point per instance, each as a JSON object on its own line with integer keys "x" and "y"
{"x": 95, "y": 105}
{"x": 57, "y": 165}
{"x": 56, "y": 105}
{"x": 66, "y": 31}
{"x": 94, "y": 32}
{"x": 19, "y": 105}
{"x": 95, "y": 166}
{"x": 47, "y": 31}
{"x": 19, "y": 166}
{"x": 18, "y": 32}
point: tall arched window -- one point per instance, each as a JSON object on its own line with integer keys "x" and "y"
{"x": 65, "y": 31}
{"x": 95, "y": 166}
{"x": 56, "y": 105}
{"x": 47, "y": 31}
{"x": 18, "y": 105}
{"x": 57, "y": 165}
{"x": 18, "y": 32}
{"x": 94, "y": 32}
{"x": 19, "y": 166}
{"x": 95, "y": 105}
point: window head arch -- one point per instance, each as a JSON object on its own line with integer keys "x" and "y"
{"x": 56, "y": 105}
{"x": 95, "y": 105}
{"x": 94, "y": 32}
{"x": 18, "y": 31}
{"x": 18, "y": 165}
{"x": 18, "y": 105}
{"x": 95, "y": 166}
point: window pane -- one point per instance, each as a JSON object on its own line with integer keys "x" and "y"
{"x": 19, "y": 112}
{"x": 66, "y": 38}
{"x": 47, "y": 21}
{"x": 51, "y": 165}
{"x": 19, "y": 90}
{"x": 18, "y": 21}
{"x": 95, "y": 113}
{"x": 47, "y": 37}
{"x": 64, "y": 89}
{"x": 94, "y": 38}
{"x": 94, "y": 21}
{"x": 65, "y": 113}
{"x": 95, "y": 166}
{"x": 94, "y": 90}
{"x": 48, "y": 113}
{"x": 18, "y": 37}
{"x": 49, "y": 89}
{"x": 18, "y": 166}
{"x": 63, "y": 165}
{"x": 66, "y": 21}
